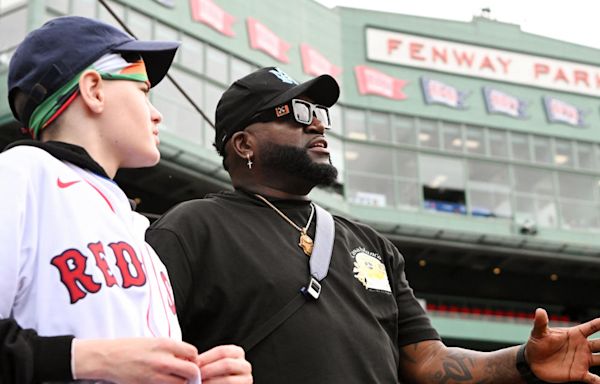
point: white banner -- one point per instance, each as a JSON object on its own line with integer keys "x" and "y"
{"x": 477, "y": 61}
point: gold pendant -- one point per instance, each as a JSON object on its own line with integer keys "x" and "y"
{"x": 306, "y": 243}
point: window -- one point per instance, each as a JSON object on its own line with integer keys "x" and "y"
{"x": 216, "y": 65}
{"x": 86, "y": 8}
{"x": 489, "y": 189}
{"x": 574, "y": 186}
{"x": 542, "y": 152}
{"x": 577, "y": 204}
{"x": 379, "y": 127}
{"x": 533, "y": 181}
{"x": 519, "y": 144}
{"x": 452, "y": 137}
{"x": 61, "y": 6}
{"x": 585, "y": 156}
{"x": 335, "y": 114}
{"x": 239, "y": 69}
{"x": 370, "y": 190}
{"x": 406, "y": 164}
{"x": 13, "y": 28}
{"x": 213, "y": 95}
{"x": 475, "y": 142}
{"x": 563, "y": 153}
{"x": 140, "y": 25}
{"x": 408, "y": 195}
{"x": 443, "y": 181}
{"x": 336, "y": 153}
{"x": 354, "y": 124}
{"x": 369, "y": 159}
{"x": 404, "y": 129}
{"x": 192, "y": 53}
{"x": 105, "y": 16}
{"x": 542, "y": 210}
{"x": 4, "y": 60}
{"x": 428, "y": 134}
{"x": 534, "y": 195}
{"x": 179, "y": 116}
{"x": 498, "y": 144}
{"x": 578, "y": 215}
{"x": 164, "y": 32}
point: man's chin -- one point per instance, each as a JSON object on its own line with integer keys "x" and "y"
{"x": 326, "y": 174}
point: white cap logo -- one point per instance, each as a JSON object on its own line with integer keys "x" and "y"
{"x": 283, "y": 76}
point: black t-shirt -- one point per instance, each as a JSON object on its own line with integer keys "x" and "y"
{"x": 234, "y": 262}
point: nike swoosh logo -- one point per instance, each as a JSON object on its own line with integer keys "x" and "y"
{"x": 67, "y": 184}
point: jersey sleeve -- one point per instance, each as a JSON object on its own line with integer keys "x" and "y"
{"x": 25, "y": 357}
{"x": 413, "y": 323}
{"x": 171, "y": 251}
{"x": 14, "y": 194}
{"x": 28, "y": 358}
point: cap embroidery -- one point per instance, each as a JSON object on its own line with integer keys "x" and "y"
{"x": 284, "y": 77}
{"x": 282, "y": 110}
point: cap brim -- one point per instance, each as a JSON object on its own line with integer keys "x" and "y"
{"x": 323, "y": 90}
{"x": 157, "y": 55}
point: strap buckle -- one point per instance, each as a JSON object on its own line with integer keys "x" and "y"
{"x": 313, "y": 288}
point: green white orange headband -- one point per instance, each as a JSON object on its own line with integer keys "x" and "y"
{"x": 111, "y": 66}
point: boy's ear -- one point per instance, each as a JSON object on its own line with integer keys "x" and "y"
{"x": 91, "y": 90}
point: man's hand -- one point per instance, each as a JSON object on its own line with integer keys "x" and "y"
{"x": 225, "y": 364}
{"x": 135, "y": 360}
{"x": 563, "y": 354}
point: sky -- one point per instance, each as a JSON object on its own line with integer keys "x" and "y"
{"x": 575, "y": 21}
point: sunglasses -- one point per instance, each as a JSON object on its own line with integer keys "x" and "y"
{"x": 299, "y": 110}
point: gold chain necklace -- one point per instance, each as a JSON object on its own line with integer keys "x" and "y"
{"x": 305, "y": 242}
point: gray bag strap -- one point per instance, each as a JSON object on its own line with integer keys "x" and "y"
{"x": 321, "y": 254}
{"x": 319, "y": 266}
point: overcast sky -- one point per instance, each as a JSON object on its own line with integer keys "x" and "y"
{"x": 576, "y": 21}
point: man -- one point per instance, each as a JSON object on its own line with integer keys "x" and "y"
{"x": 237, "y": 259}
{"x": 73, "y": 260}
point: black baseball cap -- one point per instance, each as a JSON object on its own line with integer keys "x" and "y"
{"x": 263, "y": 89}
{"x": 52, "y": 55}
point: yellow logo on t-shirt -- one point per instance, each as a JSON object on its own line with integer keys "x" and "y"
{"x": 370, "y": 271}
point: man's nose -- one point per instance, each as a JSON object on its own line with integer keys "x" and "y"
{"x": 315, "y": 126}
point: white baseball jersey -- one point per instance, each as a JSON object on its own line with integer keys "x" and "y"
{"x": 73, "y": 259}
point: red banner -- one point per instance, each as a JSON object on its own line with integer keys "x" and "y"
{"x": 209, "y": 13}
{"x": 263, "y": 39}
{"x": 371, "y": 81}
{"x": 315, "y": 64}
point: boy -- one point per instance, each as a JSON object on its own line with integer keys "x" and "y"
{"x": 73, "y": 260}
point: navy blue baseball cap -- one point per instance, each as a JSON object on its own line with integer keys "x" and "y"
{"x": 263, "y": 89}
{"x": 55, "y": 53}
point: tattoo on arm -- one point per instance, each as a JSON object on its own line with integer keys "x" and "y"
{"x": 456, "y": 368}
{"x": 405, "y": 356}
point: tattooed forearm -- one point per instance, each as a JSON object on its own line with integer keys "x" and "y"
{"x": 431, "y": 362}
{"x": 456, "y": 368}
{"x": 406, "y": 354}
{"x": 461, "y": 366}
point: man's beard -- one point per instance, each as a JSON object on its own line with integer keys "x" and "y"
{"x": 296, "y": 162}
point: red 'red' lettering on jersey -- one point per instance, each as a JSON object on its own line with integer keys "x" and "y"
{"x": 98, "y": 251}
{"x": 125, "y": 263}
{"x": 71, "y": 265}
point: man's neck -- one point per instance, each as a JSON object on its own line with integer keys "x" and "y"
{"x": 276, "y": 193}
